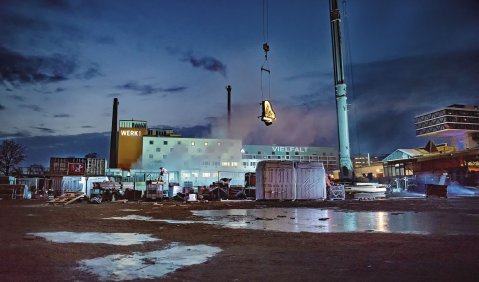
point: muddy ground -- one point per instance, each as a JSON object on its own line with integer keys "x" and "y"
{"x": 248, "y": 255}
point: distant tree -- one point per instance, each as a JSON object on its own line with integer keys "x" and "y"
{"x": 11, "y": 154}
{"x": 91, "y": 155}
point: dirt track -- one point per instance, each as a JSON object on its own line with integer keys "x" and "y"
{"x": 248, "y": 255}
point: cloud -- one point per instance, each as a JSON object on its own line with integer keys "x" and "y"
{"x": 44, "y": 129}
{"x": 33, "y": 107}
{"x": 55, "y": 4}
{"x": 39, "y": 149}
{"x": 148, "y": 89}
{"x": 175, "y": 89}
{"x": 2, "y": 107}
{"x": 207, "y": 63}
{"x": 105, "y": 40}
{"x": 62, "y": 116}
{"x": 17, "y": 68}
{"x": 86, "y": 126}
{"x": 92, "y": 71}
{"x": 307, "y": 75}
{"x": 17, "y": 97}
{"x": 387, "y": 95}
{"x": 5, "y": 135}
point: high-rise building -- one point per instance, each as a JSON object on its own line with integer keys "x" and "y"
{"x": 457, "y": 123}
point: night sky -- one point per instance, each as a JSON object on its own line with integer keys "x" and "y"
{"x": 168, "y": 62}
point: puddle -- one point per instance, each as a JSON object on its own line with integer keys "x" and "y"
{"x": 149, "y": 218}
{"x": 326, "y": 220}
{"x": 147, "y": 265}
{"x": 121, "y": 239}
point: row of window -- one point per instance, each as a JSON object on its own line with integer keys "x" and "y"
{"x": 193, "y": 143}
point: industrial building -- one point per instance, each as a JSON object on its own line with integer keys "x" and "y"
{"x": 142, "y": 151}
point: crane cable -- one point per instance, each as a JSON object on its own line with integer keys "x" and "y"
{"x": 265, "y": 66}
{"x": 349, "y": 64}
{"x": 268, "y": 116}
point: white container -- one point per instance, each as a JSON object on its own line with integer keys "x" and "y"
{"x": 289, "y": 180}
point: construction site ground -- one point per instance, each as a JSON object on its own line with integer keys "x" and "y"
{"x": 247, "y": 255}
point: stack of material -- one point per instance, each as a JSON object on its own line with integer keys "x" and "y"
{"x": 66, "y": 199}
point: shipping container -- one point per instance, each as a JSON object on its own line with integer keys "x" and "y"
{"x": 77, "y": 167}
{"x": 289, "y": 180}
{"x": 80, "y": 183}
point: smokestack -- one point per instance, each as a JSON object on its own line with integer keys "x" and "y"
{"x": 228, "y": 89}
{"x": 114, "y": 136}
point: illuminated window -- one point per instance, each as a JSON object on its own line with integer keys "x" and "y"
{"x": 219, "y": 143}
{"x": 225, "y": 163}
{"x": 206, "y": 174}
{"x": 193, "y": 143}
{"x": 234, "y": 163}
{"x": 206, "y": 144}
{"x": 215, "y": 174}
{"x": 185, "y": 174}
{"x": 194, "y": 174}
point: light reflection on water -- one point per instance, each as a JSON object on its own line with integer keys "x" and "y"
{"x": 327, "y": 220}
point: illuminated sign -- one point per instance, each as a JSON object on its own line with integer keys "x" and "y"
{"x": 290, "y": 149}
{"x": 133, "y": 133}
{"x": 76, "y": 169}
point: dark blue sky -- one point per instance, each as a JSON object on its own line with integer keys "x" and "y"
{"x": 168, "y": 62}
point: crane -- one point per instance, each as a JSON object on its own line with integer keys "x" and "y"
{"x": 346, "y": 166}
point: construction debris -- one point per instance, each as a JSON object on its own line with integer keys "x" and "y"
{"x": 66, "y": 198}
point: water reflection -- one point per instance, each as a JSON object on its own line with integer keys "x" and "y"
{"x": 148, "y": 265}
{"x": 121, "y": 239}
{"x": 327, "y": 220}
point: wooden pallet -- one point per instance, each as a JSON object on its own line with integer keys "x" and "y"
{"x": 66, "y": 199}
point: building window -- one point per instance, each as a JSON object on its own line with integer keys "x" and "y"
{"x": 179, "y": 142}
{"x": 287, "y": 153}
{"x": 273, "y": 153}
{"x": 206, "y": 144}
{"x": 193, "y": 143}
{"x": 171, "y": 149}
{"x": 245, "y": 163}
{"x": 199, "y": 150}
{"x": 151, "y": 142}
{"x": 165, "y": 142}
{"x": 164, "y": 156}
{"x": 296, "y": 153}
{"x": 151, "y": 156}
{"x": 259, "y": 152}
{"x": 206, "y": 174}
{"x": 219, "y": 144}
{"x": 158, "y": 149}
